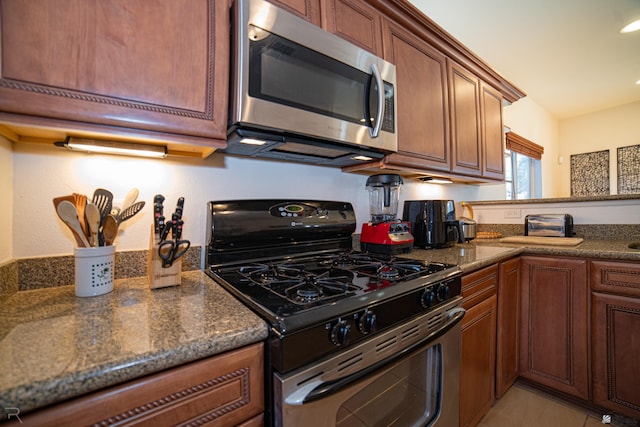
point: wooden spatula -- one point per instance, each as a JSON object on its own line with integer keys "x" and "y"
{"x": 80, "y": 201}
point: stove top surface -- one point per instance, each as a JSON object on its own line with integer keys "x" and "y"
{"x": 340, "y": 281}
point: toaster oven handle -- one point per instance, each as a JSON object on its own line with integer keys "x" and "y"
{"x": 330, "y": 387}
{"x": 374, "y": 131}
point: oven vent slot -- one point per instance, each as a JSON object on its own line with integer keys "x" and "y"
{"x": 412, "y": 333}
{"x": 385, "y": 345}
{"x": 434, "y": 322}
{"x": 348, "y": 363}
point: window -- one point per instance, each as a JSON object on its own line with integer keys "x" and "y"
{"x": 523, "y": 172}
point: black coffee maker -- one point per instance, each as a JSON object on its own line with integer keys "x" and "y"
{"x": 433, "y": 223}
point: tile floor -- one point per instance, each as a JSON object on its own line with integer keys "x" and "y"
{"x": 522, "y": 406}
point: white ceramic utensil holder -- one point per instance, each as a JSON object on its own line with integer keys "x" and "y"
{"x": 94, "y": 270}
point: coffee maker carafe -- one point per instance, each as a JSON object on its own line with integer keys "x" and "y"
{"x": 433, "y": 223}
{"x": 385, "y": 233}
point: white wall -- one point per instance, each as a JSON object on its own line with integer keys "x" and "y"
{"x": 43, "y": 172}
{"x": 602, "y": 130}
{"x": 526, "y": 118}
{"x": 6, "y": 195}
{"x": 584, "y": 213}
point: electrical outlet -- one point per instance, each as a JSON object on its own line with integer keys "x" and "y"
{"x": 512, "y": 213}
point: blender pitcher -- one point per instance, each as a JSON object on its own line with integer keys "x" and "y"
{"x": 384, "y": 196}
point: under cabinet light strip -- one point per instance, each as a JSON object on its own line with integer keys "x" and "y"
{"x": 113, "y": 147}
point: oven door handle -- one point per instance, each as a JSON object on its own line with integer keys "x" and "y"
{"x": 330, "y": 387}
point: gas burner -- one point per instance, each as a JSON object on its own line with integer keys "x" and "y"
{"x": 388, "y": 272}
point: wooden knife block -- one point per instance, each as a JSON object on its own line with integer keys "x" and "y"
{"x": 159, "y": 276}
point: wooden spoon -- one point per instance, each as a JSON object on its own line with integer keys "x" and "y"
{"x": 69, "y": 214}
{"x": 110, "y": 229}
{"x": 130, "y": 198}
{"x": 92, "y": 214}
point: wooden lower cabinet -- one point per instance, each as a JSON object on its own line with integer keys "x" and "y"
{"x": 554, "y": 339}
{"x": 508, "y": 324}
{"x": 477, "y": 364}
{"x": 477, "y": 373}
{"x": 616, "y": 353}
{"x": 224, "y": 390}
{"x": 615, "y": 336}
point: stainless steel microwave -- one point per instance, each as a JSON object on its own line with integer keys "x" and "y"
{"x": 300, "y": 93}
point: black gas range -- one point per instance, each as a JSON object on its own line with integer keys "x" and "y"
{"x": 292, "y": 263}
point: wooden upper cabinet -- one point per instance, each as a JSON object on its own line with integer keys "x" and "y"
{"x": 146, "y": 70}
{"x": 355, "y": 21}
{"x": 492, "y": 132}
{"x": 305, "y": 9}
{"x": 477, "y": 134}
{"x": 422, "y": 116}
{"x": 466, "y": 145}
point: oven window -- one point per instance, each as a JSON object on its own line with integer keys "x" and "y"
{"x": 409, "y": 394}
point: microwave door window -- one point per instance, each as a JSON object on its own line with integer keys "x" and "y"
{"x": 286, "y": 73}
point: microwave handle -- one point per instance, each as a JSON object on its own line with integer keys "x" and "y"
{"x": 374, "y": 131}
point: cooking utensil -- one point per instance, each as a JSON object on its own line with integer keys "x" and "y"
{"x": 69, "y": 214}
{"x": 129, "y": 212}
{"x": 103, "y": 199}
{"x": 110, "y": 229}
{"x": 129, "y": 200}
{"x": 80, "y": 202}
{"x": 57, "y": 200}
{"x": 169, "y": 250}
{"x": 158, "y": 217}
{"x": 92, "y": 215}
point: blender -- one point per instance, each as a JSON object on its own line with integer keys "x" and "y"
{"x": 384, "y": 233}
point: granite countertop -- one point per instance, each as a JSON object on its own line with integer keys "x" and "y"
{"x": 54, "y": 345}
{"x": 480, "y": 253}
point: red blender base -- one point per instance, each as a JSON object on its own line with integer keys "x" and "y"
{"x": 389, "y": 238}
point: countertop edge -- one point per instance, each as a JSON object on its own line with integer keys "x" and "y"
{"x": 78, "y": 382}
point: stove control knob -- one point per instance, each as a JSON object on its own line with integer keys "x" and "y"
{"x": 428, "y": 298}
{"x": 443, "y": 292}
{"x": 367, "y": 323}
{"x": 340, "y": 333}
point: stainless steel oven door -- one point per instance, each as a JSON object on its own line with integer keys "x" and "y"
{"x": 408, "y": 376}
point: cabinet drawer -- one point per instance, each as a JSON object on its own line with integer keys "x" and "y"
{"x": 617, "y": 277}
{"x": 479, "y": 285}
{"x": 224, "y": 390}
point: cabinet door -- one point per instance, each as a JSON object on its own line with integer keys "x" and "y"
{"x": 616, "y": 353}
{"x": 355, "y": 21}
{"x": 554, "y": 324}
{"x": 507, "y": 329}
{"x": 492, "y": 133}
{"x": 423, "y": 123}
{"x": 305, "y": 9}
{"x": 159, "y": 67}
{"x": 224, "y": 390}
{"x": 466, "y": 145}
{"x": 477, "y": 367}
